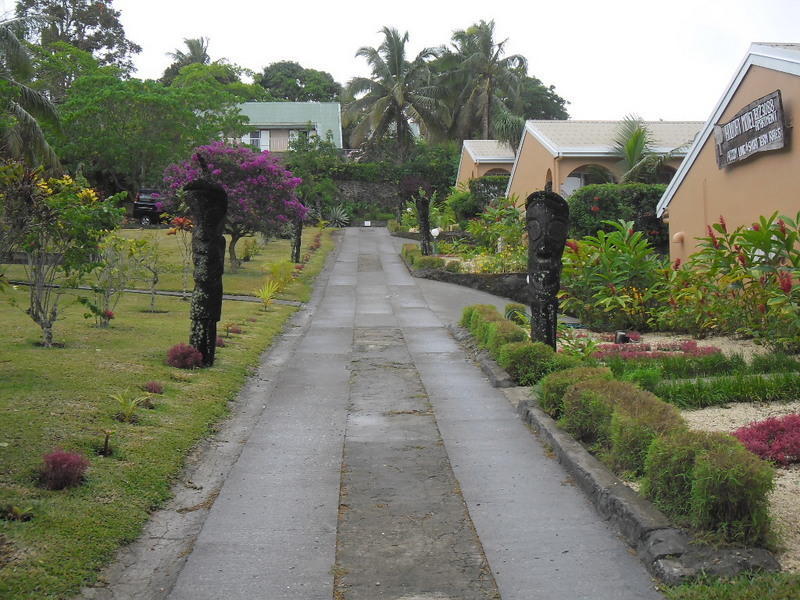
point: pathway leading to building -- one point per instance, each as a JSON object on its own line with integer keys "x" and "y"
{"x": 384, "y": 466}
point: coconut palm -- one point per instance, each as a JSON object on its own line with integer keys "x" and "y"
{"x": 399, "y": 93}
{"x": 490, "y": 81}
{"x": 633, "y": 144}
{"x": 197, "y": 53}
{"x": 21, "y": 137}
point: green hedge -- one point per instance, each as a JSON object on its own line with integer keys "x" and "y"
{"x": 592, "y": 204}
{"x": 429, "y": 262}
{"x": 555, "y": 385}
{"x": 487, "y": 188}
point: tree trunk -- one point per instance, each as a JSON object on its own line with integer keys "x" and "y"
{"x": 297, "y": 241}
{"x": 235, "y": 263}
{"x": 487, "y": 114}
{"x": 47, "y": 334}
{"x": 153, "y": 283}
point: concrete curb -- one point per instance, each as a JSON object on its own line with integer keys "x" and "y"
{"x": 669, "y": 553}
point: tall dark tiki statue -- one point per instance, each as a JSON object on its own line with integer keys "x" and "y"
{"x": 209, "y": 204}
{"x": 547, "y": 217}
{"x": 423, "y": 203}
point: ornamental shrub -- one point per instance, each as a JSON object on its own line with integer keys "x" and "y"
{"x": 589, "y": 404}
{"x": 63, "y": 469}
{"x": 525, "y": 361}
{"x": 518, "y": 313}
{"x": 220, "y": 343}
{"x": 453, "y": 266}
{"x": 668, "y": 467}
{"x": 482, "y": 314}
{"x": 499, "y": 333}
{"x": 776, "y": 439}
{"x": 730, "y": 488}
{"x": 592, "y": 205}
{"x": 487, "y": 188}
{"x": 184, "y": 356}
{"x": 636, "y": 421}
{"x": 429, "y": 262}
{"x": 556, "y": 384}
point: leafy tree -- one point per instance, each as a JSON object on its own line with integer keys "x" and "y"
{"x": 313, "y": 160}
{"x": 124, "y": 132}
{"x": 489, "y": 78}
{"x": 287, "y": 80}
{"x": 400, "y": 93}
{"x": 59, "y": 224}
{"x": 57, "y": 66}
{"x": 261, "y": 192}
{"x": 539, "y": 101}
{"x": 219, "y": 78}
{"x": 197, "y": 54}
{"x": 21, "y": 136}
{"x": 89, "y": 25}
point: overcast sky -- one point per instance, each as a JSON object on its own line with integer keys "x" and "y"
{"x": 666, "y": 60}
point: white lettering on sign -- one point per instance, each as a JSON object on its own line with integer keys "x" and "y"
{"x": 758, "y": 127}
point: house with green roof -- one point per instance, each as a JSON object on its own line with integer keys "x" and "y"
{"x": 274, "y": 124}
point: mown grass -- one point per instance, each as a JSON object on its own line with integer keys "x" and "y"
{"x": 774, "y": 586}
{"x": 60, "y": 397}
{"x": 244, "y": 280}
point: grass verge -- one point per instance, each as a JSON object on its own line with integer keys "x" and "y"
{"x": 777, "y": 586}
{"x": 60, "y": 397}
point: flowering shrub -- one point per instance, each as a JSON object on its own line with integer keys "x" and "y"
{"x": 153, "y": 387}
{"x": 63, "y": 469}
{"x": 184, "y": 356}
{"x": 776, "y": 438}
{"x": 741, "y": 282}
{"x": 612, "y": 280}
{"x": 260, "y": 190}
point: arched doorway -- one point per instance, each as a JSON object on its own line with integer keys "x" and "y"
{"x": 585, "y": 175}
{"x": 498, "y": 171}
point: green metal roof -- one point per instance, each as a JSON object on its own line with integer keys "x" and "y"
{"x": 326, "y": 116}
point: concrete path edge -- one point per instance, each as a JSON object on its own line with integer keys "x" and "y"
{"x": 668, "y": 552}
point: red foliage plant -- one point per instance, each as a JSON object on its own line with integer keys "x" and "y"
{"x": 63, "y": 469}
{"x": 184, "y": 356}
{"x": 220, "y": 342}
{"x": 776, "y": 438}
{"x": 153, "y": 387}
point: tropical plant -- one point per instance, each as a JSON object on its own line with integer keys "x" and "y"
{"x": 59, "y": 224}
{"x": 196, "y": 53}
{"x": 21, "y": 137}
{"x": 267, "y": 292}
{"x": 633, "y": 144}
{"x": 489, "y": 78}
{"x": 338, "y": 217}
{"x": 400, "y": 92}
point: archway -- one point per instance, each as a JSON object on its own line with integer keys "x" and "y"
{"x": 585, "y": 175}
{"x": 498, "y": 171}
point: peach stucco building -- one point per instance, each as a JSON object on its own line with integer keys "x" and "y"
{"x": 484, "y": 157}
{"x": 566, "y": 155}
{"x": 747, "y": 120}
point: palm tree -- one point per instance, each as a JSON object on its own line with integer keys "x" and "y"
{"x": 489, "y": 79}
{"x": 197, "y": 53}
{"x": 633, "y": 144}
{"x": 21, "y": 137}
{"x": 399, "y": 93}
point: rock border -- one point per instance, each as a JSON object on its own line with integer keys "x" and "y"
{"x": 669, "y": 553}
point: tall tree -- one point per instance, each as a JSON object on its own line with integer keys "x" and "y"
{"x": 56, "y": 67}
{"x": 489, "y": 77}
{"x": 633, "y": 145}
{"x": 287, "y": 80}
{"x": 90, "y": 25}
{"x": 400, "y": 93}
{"x": 196, "y": 54}
{"x": 220, "y": 77}
{"x": 21, "y": 136}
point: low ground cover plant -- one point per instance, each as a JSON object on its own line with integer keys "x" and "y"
{"x": 777, "y": 387}
{"x": 776, "y": 439}
{"x": 62, "y": 469}
{"x": 184, "y": 356}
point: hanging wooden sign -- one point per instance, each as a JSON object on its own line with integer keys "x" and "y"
{"x": 758, "y": 127}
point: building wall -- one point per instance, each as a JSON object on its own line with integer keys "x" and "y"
{"x": 279, "y": 140}
{"x": 759, "y": 185}
{"x": 530, "y": 174}
{"x": 466, "y": 168}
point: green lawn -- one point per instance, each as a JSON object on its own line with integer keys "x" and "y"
{"x": 778, "y": 586}
{"x": 60, "y": 397}
{"x": 245, "y": 280}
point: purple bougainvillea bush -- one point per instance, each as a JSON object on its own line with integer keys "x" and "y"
{"x": 261, "y": 191}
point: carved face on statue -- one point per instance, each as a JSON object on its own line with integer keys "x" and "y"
{"x": 547, "y": 216}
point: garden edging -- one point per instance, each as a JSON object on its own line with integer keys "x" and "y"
{"x": 668, "y": 552}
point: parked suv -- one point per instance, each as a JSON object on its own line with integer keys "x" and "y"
{"x": 145, "y": 207}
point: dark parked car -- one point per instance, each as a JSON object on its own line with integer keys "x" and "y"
{"x": 145, "y": 207}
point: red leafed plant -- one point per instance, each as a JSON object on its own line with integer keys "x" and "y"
{"x": 776, "y": 438}
{"x": 184, "y": 356}
{"x": 220, "y": 342}
{"x": 153, "y": 387}
{"x": 63, "y": 469}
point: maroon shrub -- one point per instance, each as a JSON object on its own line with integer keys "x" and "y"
{"x": 153, "y": 387}
{"x": 63, "y": 469}
{"x": 184, "y": 356}
{"x": 220, "y": 342}
{"x": 234, "y": 329}
{"x": 776, "y": 438}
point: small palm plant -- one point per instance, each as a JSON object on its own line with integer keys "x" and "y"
{"x": 338, "y": 217}
{"x": 128, "y": 406}
{"x": 267, "y": 292}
